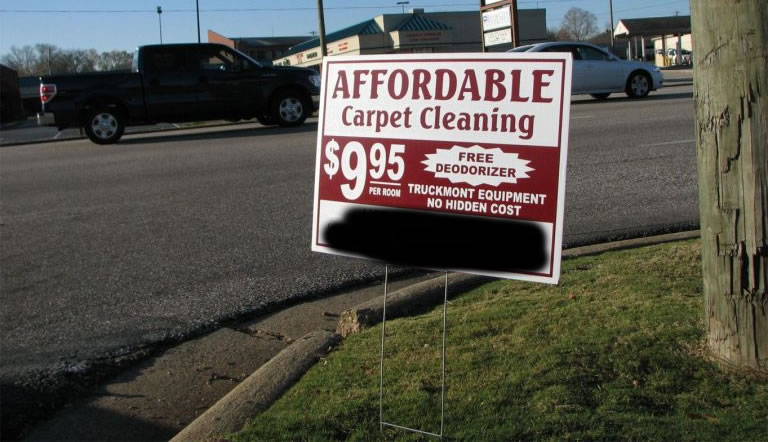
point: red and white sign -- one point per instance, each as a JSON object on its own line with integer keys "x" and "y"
{"x": 445, "y": 161}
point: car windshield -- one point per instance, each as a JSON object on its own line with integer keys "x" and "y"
{"x": 521, "y": 48}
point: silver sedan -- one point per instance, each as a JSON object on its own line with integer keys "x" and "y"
{"x": 600, "y": 73}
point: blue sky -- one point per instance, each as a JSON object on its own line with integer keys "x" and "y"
{"x": 114, "y": 24}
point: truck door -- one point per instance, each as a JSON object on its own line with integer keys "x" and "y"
{"x": 226, "y": 82}
{"x": 171, "y": 86}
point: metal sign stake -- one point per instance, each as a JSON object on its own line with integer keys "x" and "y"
{"x": 383, "y": 423}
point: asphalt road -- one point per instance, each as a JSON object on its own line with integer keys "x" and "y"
{"x": 27, "y": 131}
{"x": 107, "y": 249}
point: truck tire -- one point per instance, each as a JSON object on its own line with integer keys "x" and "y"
{"x": 289, "y": 109}
{"x": 104, "y": 125}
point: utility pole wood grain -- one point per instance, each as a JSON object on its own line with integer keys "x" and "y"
{"x": 730, "y": 39}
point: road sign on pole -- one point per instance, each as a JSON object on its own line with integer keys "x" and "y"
{"x": 445, "y": 161}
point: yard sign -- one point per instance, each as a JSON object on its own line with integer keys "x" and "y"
{"x": 445, "y": 161}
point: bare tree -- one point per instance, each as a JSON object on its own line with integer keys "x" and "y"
{"x": 22, "y": 60}
{"x": 46, "y": 59}
{"x": 51, "y": 60}
{"x": 555, "y": 34}
{"x": 82, "y": 60}
{"x": 114, "y": 61}
{"x": 579, "y": 24}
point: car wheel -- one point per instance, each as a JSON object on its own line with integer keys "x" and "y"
{"x": 289, "y": 109}
{"x": 638, "y": 85}
{"x": 104, "y": 125}
{"x": 600, "y": 96}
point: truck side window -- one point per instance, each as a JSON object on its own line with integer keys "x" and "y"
{"x": 169, "y": 60}
{"x": 219, "y": 60}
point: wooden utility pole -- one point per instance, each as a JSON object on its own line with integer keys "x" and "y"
{"x": 321, "y": 25}
{"x": 730, "y": 42}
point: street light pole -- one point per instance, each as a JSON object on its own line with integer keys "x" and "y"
{"x": 197, "y": 8}
{"x": 160, "y": 20}
{"x": 403, "y": 5}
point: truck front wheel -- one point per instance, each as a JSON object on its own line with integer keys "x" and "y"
{"x": 104, "y": 125}
{"x": 289, "y": 109}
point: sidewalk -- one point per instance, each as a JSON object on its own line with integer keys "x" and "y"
{"x": 677, "y": 76}
{"x": 158, "y": 398}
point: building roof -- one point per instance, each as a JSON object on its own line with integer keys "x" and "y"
{"x": 367, "y": 27}
{"x": 418, "y": 22}
{"x": 653, "y": 26}
{"x": 271, "y": 41}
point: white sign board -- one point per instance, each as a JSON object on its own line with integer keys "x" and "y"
{"x": 445, "y": 161}
{"x": 498, "y": 37}
{"x": 497, "y": 18}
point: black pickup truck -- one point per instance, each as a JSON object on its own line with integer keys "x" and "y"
{"x": 177, "y": 83}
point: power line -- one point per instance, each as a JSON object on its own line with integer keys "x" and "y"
{"x": 143, "y": 11}
{"x": 300, "y": 8}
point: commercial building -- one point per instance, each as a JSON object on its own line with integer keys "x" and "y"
{"x": 261, "y": 49}
{"x": 658, "y": 39}
{"x": 413, "y": 32}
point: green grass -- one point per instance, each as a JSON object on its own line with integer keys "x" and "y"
{"x": 612, "y": 352}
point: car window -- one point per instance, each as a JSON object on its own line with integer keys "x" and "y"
{"x": 563, "y": 48}
{"x": 218, "y": 59}
{"x": 521, "y": 48}
{"x": 168, "y": 59}
{"x": 588, "y": 53}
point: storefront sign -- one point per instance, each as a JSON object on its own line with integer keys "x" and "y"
{"x": 444, "y": 161}
{"x": 422, "y": 37}
{"x": 497, "y": 18}
{"x": 498, "y": 37}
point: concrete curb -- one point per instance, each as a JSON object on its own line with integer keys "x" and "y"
{"x": 421, "y": 296}
{"x": 630, "y": 243}
{"x": 406, "y": 301}
{"x": 263, "y": 387}
{"x": 268, "y": 383}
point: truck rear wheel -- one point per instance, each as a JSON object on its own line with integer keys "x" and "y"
{"x": 289, "y": 109}
{"x": 104, "y": 125}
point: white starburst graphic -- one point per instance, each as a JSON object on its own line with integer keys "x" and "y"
{"x": 477, "y": 165}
